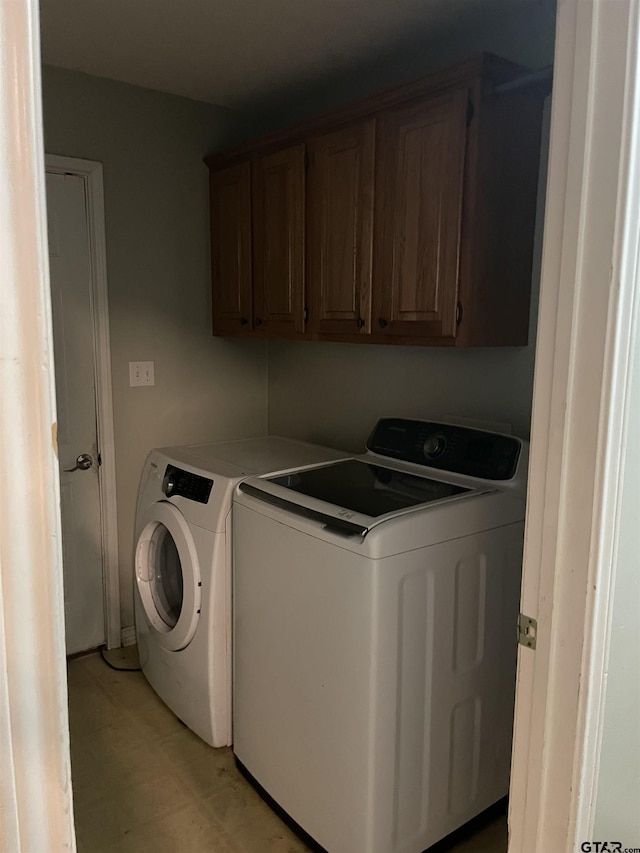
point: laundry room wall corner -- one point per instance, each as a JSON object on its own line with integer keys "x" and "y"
{"x": 151, "y": 146}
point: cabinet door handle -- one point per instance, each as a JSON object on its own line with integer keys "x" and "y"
{"x": 360, "y": 322}
{"x": 258, "y": 321}
{"x": 383, "y": 323}
{"x": 243, "y": 321}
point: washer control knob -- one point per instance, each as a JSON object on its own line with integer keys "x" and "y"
{"x": 434, "y": 446}
{"x": 168, "y": 486}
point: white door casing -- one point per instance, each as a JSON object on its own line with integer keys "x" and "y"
{"x": 589, "y": 283}
{"x": 36, "y": 807}
{"x": 90, "y": 539}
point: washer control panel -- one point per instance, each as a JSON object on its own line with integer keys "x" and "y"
{"x": 448, "y": 447}
{"x": 434, "y": 446}
{"x": 179, "y": 483}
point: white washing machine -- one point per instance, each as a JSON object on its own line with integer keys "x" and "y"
{"x": 183, "y": 570}
{"x": 375, "y": 610}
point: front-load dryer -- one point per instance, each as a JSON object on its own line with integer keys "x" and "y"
{"x": 182, "y": 587}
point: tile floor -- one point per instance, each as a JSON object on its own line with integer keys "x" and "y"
{"x": 143, "y": 782}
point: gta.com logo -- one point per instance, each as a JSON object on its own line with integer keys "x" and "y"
{"x": 606, "y": 847}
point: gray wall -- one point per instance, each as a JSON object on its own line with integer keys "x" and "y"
{"x": 156, "y": 205}
{"x": 522, "y": 32}
{"x": 333, "y": 393}
{"x": 618, "y": 799}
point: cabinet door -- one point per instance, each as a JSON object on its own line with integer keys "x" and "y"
{"x": 278, "y": 241}
{"x": 340, "y": 230}
{"x": 419, "y": 189}
{"x": 231, "y": 249}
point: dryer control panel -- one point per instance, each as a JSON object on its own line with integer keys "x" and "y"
{"x": 448, "y": 447}
{"x": 180, "y": 483}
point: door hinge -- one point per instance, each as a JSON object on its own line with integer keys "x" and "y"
{"x": 458, "y": 313}
{"x": 99, "y": 458}
{"x": 305, "y": 315}
{"x": 527, "y": 631}
{"x": 470, "y": 111}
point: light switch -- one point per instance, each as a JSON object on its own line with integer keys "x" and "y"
{"x": 141, "y": 373}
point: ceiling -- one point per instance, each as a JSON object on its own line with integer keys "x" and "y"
{"x": 235, "y": 52}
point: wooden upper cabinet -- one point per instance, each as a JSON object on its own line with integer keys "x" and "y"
{"x": 420, "y": 181}
{"x": 407, "y": 217}
{"x": 278, "y": 241}
{"x": 340, "y": 187}
{"x": 231, "y": 249}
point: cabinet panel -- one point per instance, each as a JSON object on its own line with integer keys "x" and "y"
{"x": 418, "y": 216}
{"x": 340, "y": 230}
{"x": 231, "y": 249}
{"x": 278, "y": 241}
{"x": 418, "y": 224}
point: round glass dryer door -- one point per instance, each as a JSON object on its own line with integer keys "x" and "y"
{"x": 165, "y": 570}
{"x": 168, "y": 576}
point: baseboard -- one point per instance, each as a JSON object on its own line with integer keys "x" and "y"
{"x": 128, "y": 636}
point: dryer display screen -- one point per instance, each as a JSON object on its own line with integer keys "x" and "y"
{"x": 179, "y": 483}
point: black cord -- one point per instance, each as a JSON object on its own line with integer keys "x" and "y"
{"x": 119, "y": 668}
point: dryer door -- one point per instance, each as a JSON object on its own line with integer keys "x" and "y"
{"x": 168, "y": 576}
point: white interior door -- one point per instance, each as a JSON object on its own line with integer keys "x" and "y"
{"x": 74, "y": 352}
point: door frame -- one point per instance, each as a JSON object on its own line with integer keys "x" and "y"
{"x": 587, "y": 325}
{"x": 91, "y": 173}
{"x": 35, "y": 771}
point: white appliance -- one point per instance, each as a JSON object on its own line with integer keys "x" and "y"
{"x": 375, "y": 611}
{"x": 183, "y": 570}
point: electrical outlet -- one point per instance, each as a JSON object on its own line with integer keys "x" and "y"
{"x": 141, "y": 373}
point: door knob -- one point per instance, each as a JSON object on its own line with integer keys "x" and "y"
{"x": 83, "y": 463}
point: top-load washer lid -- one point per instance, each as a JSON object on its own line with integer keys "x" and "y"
{"x": 354, "y": 495}
{"x": 409, "y": 465}
{"x": 365, "y": 488}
